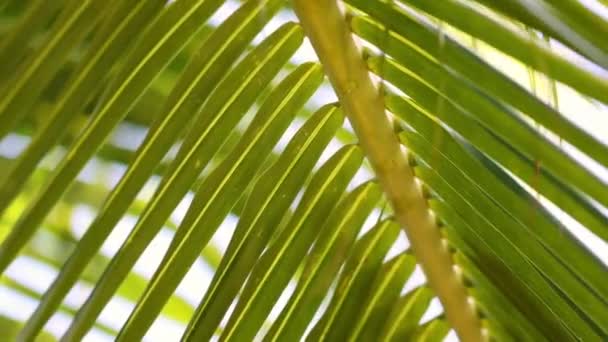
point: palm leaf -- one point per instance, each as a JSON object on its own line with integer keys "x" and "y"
{"x": 208, "y": 122}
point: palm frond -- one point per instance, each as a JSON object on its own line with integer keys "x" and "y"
{"x": 464, "y": 123}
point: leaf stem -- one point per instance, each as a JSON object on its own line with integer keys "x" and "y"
{"x": 328, "y": 32}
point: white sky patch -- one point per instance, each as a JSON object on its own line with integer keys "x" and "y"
{"x": 280, "y": 304}
{"x": 304, "y": 54}
{"x": 223, "y": 235}
{"x": 400, "y": 245}
{"x": 115, "y": 172}
{"x": 293, "y": 128}
{"x": 12, "y": 145}
{"x": 182, "y": 208}
{"x": 195, "y": 283}
{"x": 331, "y": 149}
{"x": 164, "y": 329}
{"x": 416, "y": 280}
{"x": 38, "y": 278}
{"x": 595, "y": 244}
{"x": 596, "y": 7}
{"x": 370, "y": 222}
{"x": 227, "y": 8}
{"x": 435, "y": 309}
{"x": 128, "y": 136}
{"x": 19, "y": 307}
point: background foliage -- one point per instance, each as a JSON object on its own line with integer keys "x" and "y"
{"x": 184, "y": 167}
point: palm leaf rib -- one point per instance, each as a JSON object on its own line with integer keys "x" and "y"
{"x": 516, "y": 45}
{"x": 70, "y": 28}
{"x": 384, "y": 291}
{"x": 152, "y": 150}
{"x": 330, "y": 249}
{"x": 326, "y": 28}
{"x": 291, "y": 245}
{"x": 255, "y": 226}
{"x": 572, "y": 24}
{"x": 191, "y": 159}
{"x": 538, "y": 111}
{"x": 245, "y": 21}
{"x": 551, "y": 234}
{"x": 229, "y": 178}
{"x": 362, "y": 265}
{"x": 144, "y": 62}
{"x": 406, "y": 311}
{"x": 104, "y": 52}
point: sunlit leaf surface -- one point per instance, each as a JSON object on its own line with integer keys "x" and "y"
{"x": 184, "y": 169}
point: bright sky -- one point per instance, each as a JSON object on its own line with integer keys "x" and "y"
{"x": 591, "y": 116}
